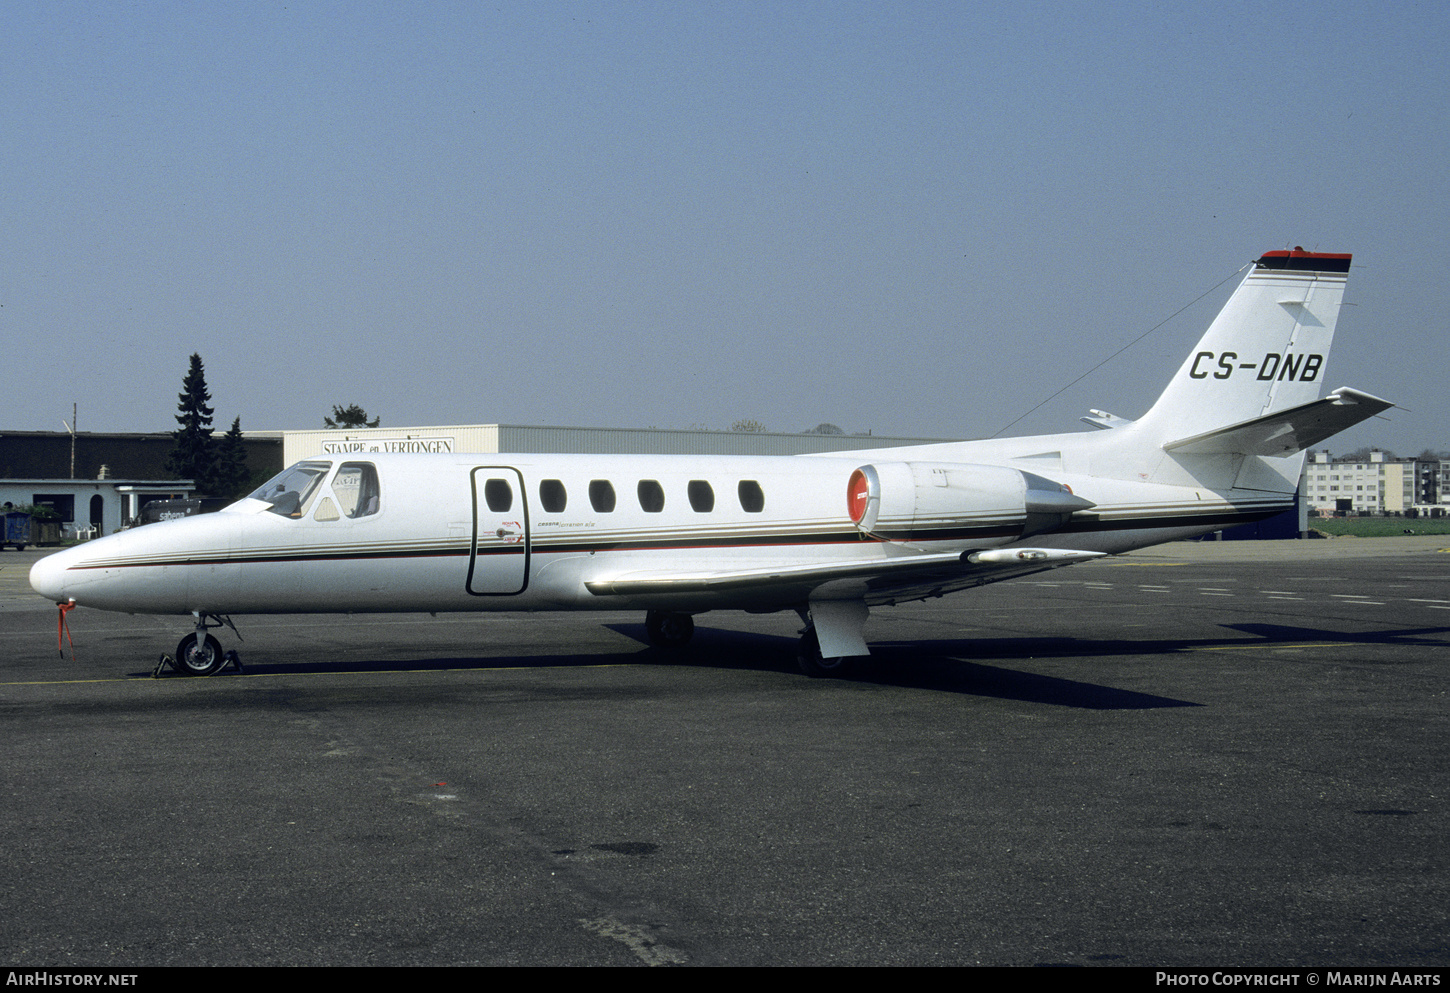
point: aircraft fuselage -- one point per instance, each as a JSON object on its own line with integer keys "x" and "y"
{"x": 484, "y": 532}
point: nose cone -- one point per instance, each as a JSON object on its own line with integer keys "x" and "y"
{"x": 47, "y": 576}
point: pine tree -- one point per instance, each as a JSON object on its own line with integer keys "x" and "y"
{"x": 193, "y": 455}
{"x": 232, "y": 475}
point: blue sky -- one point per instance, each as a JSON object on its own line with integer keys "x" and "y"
{"x": 910, "y": 218}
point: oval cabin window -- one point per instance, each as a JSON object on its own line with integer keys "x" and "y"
{"x": 752, "y": 497}
{"x": 601, "y": 495}
{"x": 553, "y": 496}
{"x": 498, "y": 494}
{"x": 702, "y": 497}
{"x": 651, "y": 496}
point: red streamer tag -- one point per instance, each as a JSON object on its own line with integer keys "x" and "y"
{"x": 62, "y": 627}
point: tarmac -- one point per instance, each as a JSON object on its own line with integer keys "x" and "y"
{"x": 1202, "y": 754}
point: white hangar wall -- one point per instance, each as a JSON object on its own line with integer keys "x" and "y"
{"x": 494, "y": 438}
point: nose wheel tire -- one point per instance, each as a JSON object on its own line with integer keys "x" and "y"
{"x": 199, "y": 659}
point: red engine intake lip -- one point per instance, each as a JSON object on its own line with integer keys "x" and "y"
{"x": 858, "y": 493}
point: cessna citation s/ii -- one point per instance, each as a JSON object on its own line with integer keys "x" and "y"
{"x": 828, "y": 536}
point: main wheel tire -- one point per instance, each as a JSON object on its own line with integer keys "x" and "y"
{"x": 808, "y": 654}
{"x": 199, "y": 660}
{"x": 668, "y": 629}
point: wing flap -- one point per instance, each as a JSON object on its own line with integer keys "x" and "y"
{"x": 899, "y": 567}
{"x": 1286, "y": 432}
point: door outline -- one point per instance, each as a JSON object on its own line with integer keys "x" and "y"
{"x": 514, "y": 582}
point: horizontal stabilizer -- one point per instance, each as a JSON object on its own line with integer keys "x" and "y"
{"x": 1286, "y": 432}
{"x": 900, "y": 567}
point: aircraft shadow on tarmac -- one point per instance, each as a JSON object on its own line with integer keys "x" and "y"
{"x": 945, "y": 665}
{"x": 955, "y": 665}
{"x": 1417, "y": 637}
{"x": 936, "y": 665}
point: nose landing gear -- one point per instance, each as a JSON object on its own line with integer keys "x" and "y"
{"x": 199, "y": 654}
{"x": 195, "y": 657}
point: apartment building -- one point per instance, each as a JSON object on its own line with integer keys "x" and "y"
{"x": 1381, "y": 485}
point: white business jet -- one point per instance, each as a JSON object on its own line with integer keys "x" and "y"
{"x": 828, "y": 536}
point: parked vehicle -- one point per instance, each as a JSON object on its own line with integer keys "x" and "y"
{"x": 15, "y": 530}
{"x": 171, "y": 510}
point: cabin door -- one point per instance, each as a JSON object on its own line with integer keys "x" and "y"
{"x": 499, "y": 562}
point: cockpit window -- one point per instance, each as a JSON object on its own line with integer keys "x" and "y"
{"x": 290, "y": 491}
{"x": 356, "y": 486}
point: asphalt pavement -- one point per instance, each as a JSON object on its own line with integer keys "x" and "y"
{"x": 1202, "y": 754}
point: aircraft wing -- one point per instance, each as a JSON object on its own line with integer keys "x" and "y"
{"x": 906, "y": 569}
{"x": 1287, "y": 431}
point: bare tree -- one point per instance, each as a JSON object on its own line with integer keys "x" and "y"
{"x": 748, "y": 426}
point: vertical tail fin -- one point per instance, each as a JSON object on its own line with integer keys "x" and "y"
{"x": 1265, "y": 352}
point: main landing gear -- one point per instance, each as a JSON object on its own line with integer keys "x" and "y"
{"x": 830, "y": 644}
{"x": 813, "y": 664}
{"x": 669, "y": 629}
{"x": 199, "y": 654}
{"x": 832, "y": 640}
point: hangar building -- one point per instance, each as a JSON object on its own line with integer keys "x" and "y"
{"x": 491, "y": 438}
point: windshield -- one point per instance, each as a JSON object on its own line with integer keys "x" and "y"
{"x": 290, "y": 491}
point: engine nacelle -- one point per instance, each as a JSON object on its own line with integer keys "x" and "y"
{"x": 947, "y": 501}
